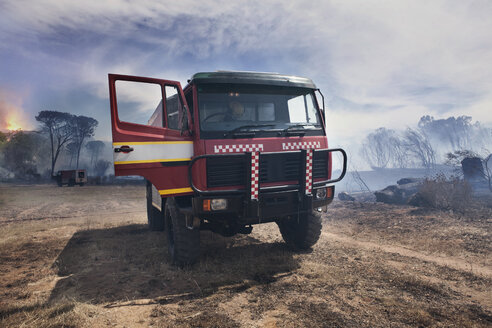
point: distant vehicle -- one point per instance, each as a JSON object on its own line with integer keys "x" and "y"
{"x": 71, "y": 177}
{"x": 231, "y": 150}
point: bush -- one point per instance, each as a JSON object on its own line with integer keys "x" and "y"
{"x": 443, "y": 193}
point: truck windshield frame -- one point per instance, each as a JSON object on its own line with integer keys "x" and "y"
{"x": 258, "y": 110}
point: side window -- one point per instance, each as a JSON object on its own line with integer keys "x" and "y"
{"x": 302, "y": 109}
{"x": 297, "y": 110}
{"x": 311, "y": 112}
{"x": 137, "y": 102}
{"x": 173, "y": 104}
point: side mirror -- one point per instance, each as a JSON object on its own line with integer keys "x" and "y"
{"x": 322, "y": 107}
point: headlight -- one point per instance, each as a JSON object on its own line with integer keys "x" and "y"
{"x": 214, "y": 204}
{"x": 321, "y": 193}
{"x": 218, "y": 204}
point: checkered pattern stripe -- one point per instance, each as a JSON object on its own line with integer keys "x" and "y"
{"x": 309, "y": 171}
{"x": 255, "y": 169}
{"x": 301, "y": 145}
{"x": 237, "y": 148}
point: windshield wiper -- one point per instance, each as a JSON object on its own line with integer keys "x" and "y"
{"x": 243, "y": 127}
{"x": 298, "y": 129}
{"x": 297, "y": 126}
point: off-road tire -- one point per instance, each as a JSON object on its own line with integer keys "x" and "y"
{"x": 302, "y": 233}
{"x": 155, "y": 218}
{"x": 183, "y": 244}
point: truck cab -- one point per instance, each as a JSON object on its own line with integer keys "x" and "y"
{"x": 230, "y": 150}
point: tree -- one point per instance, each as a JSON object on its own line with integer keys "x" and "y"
{"x": 59, "y": 127}
{"x": 399, "y": 155}
{"x": 417, "y": 144}
{"x": 23, "y": 152}
{"x": 383, "y": 147}
{"x": 3, "y": 142}
{"x": 3, "y": 138}
{"x": 481, "y": 137}
{"x": 84, "y": 127}
{"x": 376, "y": 149}
{"x": 457, "y": 131}
{"x": 72, "y": 151}
{"x": 95, "y": 147}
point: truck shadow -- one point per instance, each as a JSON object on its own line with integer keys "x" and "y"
{"x": 129, "y": 262}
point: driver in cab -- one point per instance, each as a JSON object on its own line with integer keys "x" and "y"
{"x": 235, "y": 111}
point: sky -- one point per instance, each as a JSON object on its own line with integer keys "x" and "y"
{"x": 378, "y": 63}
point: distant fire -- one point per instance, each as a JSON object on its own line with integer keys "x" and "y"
{"x": 10, "y": 120}
{"x": 12, "y": 117}
{"x": 12, "y": 125}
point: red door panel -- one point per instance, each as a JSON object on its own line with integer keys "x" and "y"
{"x": 157, "y": 152}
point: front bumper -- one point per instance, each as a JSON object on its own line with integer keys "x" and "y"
{"x": 253, "y": 203}
{"x": 268, "y": 207}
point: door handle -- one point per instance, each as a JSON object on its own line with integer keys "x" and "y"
{"x": 123, "y": 149}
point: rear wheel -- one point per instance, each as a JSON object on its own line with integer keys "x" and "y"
{"x": 183, "y": 244}
{"x": 302, "y": 233}
{"x": 155, "y": 217}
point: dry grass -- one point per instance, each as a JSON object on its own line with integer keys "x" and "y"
{"x": 444, "y": 193}
{"x": 375, "y": 266}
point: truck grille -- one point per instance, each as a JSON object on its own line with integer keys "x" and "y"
{"x": 227, "y": 171}
{"x": 320, "y": 164}
{"x": 279, "y": 167}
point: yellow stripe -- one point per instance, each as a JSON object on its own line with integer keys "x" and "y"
{"x": 151, "y": 143}
{"x": 153, "y": 161}
{"x": 175, "y": 191}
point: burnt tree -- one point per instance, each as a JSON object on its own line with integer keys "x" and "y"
{"x": 59, "y": 127}
{"x": 84, "y": 127}
{"x": 418, "y": 145}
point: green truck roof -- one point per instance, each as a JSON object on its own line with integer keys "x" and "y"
{"x": 240, "y": 77}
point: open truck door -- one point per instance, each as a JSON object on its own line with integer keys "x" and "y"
{"x": 160, "y": 150}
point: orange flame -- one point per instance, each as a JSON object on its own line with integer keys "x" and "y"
{"x": 12, "y": 116}
{"x": 12, "y": 120}
{"x": 12, "y": 125}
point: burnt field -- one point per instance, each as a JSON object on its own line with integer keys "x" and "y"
{"x": 83, "y": 257}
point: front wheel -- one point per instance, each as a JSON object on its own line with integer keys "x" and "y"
{"x": 183, "y": 243}
{"x": 301, "y": 233}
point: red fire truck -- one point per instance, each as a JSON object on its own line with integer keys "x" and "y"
{"x": 71, "y": 177}
{"x": 231, "y": 150}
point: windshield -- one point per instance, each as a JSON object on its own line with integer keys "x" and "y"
{"x": 239, "y": 108}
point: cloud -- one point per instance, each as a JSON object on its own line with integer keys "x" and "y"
{"x": 377, "y": 62}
